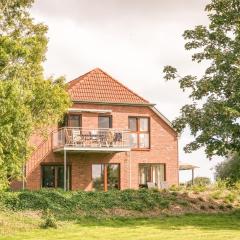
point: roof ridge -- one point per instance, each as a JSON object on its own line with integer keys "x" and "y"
{"x": 121, "y": 84}
{"x": 74, "y": 81}
{"x": 125, "y": 95}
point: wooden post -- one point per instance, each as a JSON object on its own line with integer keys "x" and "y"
{"x": 105, "y": 178}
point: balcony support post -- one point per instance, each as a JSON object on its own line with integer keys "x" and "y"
{"x": 130, "y": 169}
{"x": 65, "y": 170}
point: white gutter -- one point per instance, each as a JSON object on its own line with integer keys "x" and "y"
{"x": 76, "y": 110}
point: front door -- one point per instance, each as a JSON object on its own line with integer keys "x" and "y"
{"x": 105, "y": 176}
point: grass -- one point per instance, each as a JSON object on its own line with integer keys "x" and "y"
{"x": 129, "y": 214}
{"x": 188, "y": 227}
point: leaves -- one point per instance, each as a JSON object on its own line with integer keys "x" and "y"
{"x": 213, "y": 118}
{"x": 28, "y": 101}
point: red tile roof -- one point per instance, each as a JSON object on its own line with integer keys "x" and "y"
{"x": 98, "y": 86}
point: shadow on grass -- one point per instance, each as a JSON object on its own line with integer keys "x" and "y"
{"x": 201, "y": 221}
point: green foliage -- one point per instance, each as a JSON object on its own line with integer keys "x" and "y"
{"x": 213, "y": 115}
{"x": 49, "y": 220}
{"x": 230, "y": 198}
{"x": 198, "y": 188}
{"x": 182, "y": 202}
{"x": 69, "y": 203}
{"x": 216, "y": 195}
{"x": 229, "y": 170}
{"x": 200, "y": 181}
{"x": 186, "y": 227}
{"x": 29, "y": 102}
{"x": 221, "y": 184}
{"x": 221, "y": 207}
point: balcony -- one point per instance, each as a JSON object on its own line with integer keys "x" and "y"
{"x": 91, "y": 140}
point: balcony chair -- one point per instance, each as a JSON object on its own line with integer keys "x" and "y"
{"x": 77, "y": 137}
{"x": 95, "y": 137}
{"x": 110, "y": 138}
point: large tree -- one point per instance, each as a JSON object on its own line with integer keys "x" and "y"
{"x": 229, "y": 169}
{"x": 214, "y": 114}
{"x": 28, "y": 101}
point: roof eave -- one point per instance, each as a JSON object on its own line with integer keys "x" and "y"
{"x": 115, "y": 103}
{"x": 166, "y": 120}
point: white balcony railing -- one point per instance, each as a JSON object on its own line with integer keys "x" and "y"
{"x": 86, "y": 138}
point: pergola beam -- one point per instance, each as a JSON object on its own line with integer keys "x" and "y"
{"x": 187, "y": 166}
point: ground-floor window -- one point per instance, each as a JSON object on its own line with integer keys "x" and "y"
{"x": 53, "y": 176}
{"x": 105, "y": 176}
{"x": 151, "y": 173}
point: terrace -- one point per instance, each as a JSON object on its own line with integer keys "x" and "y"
{"x": 91, "y": 140}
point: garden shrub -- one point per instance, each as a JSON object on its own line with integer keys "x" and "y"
{"x": 70, "y": 202}
{"x": 216, "y": 195}
{"x": 182, "y": 202}
{"x": 49, "y": 220}
{"x": 229, "y": 198}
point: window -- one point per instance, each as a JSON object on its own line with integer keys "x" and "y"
{"x": 105, "y": 176}
{"x": 53, "y": 176}
{"x": 74, "y": 120}
{"x": 71, "y": 120}
{"x": 105, "y": 121}
{"x": 152, "y": 173}
{"x": 139, "y": 136}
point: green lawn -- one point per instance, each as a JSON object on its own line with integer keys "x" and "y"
{"x": 190, "y": 227}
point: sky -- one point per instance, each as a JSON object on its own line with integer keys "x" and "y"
{"x": 132, "y": 40}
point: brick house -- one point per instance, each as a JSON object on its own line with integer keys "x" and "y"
{"x": 110, "y": 138}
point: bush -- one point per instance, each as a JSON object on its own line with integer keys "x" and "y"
{"x": 182, "y": 202}
{"x": 200, "y": 181}
{"x": 216, "y": 195}
{"x": 198, "y": 188}
{"x": 221, "y": 207}
{"x": 229, "y": 169}
{"x": 58, "y": 201}
{"x": 222, "y": 184}
{"x": 229, "y": 198}
{"x": 49, "y": 220}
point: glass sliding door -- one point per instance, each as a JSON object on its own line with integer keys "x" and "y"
{"x": 158, "y": 173}
{"x": 105, "y": 176}
{"x": 113, "y": 176}
{"x": 98, "y": 177}
{"x": 151, "y": 173}
{"x": 53, "y": 176}
{"x": 60, "y": 177}
{"x": 48, "y": 176}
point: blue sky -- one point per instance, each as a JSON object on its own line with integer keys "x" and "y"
{"x": 132, "y": 40}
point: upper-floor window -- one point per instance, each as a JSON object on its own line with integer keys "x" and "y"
{"x": 74, "y": 120}
{"x": 71, "y": 120}
{"x": 104, "y": 121}
{"x": 139, "y": 135}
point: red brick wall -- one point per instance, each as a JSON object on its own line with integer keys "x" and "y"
{"x": 164, "y": 149}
